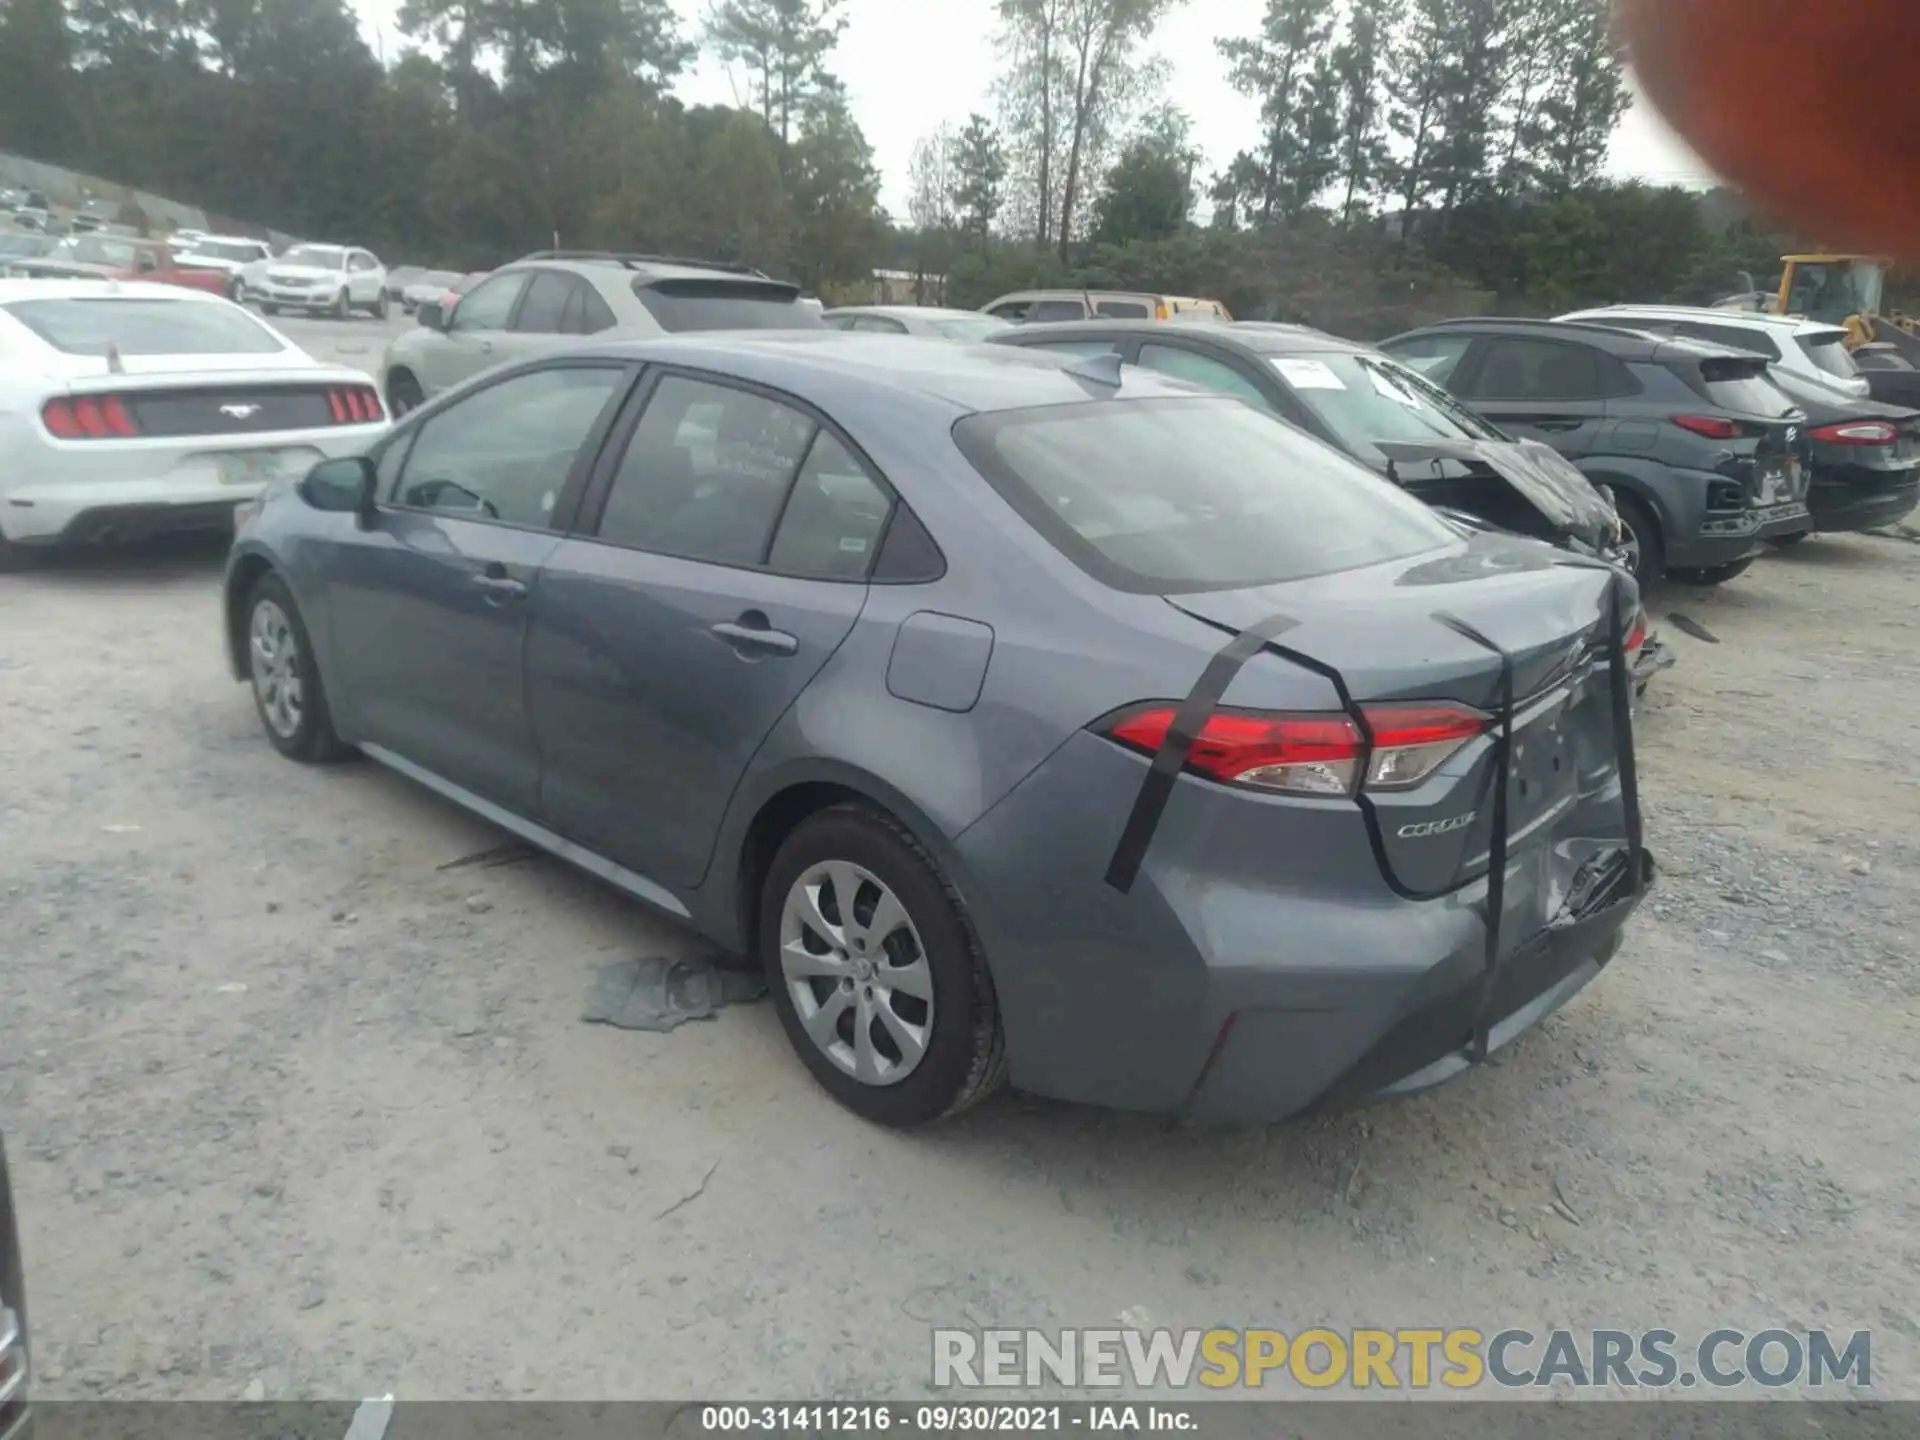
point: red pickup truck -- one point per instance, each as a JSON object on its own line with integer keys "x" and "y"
{"x": 116, "y": 257}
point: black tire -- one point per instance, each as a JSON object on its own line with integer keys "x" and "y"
{"x": 380, "y": 306}
{"x": 965, "y": 1056}
{"x": 1786, "y": 542}
{"x": 15, "y": 558}
{"x": 342, "y": 306}
{"x": 269, "y": 309}
{"x": 403, "y": 394}
{"x": 313, "y": 740}
{"x": 1714, "y": 574}
{"x": 1650, "y": 562}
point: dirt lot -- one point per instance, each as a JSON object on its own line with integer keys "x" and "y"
{"x": 293, "y": 1111}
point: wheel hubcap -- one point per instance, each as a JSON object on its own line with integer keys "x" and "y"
{"x": 276, "y": 669}
{"x": 856, "y": 972}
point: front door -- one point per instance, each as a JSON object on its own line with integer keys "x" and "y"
{"x": 428, "y": 604}
{"x": 727, "y": 564}
{"x": 474, "y": 335}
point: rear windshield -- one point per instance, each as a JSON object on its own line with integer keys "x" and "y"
{"x": 968, "y": 327}
{"x": 1172, "y": 496}
{"x": 1743, "y": 386}
{"x": 1829, "y": 352}
{"x": 681, "y": 305}
{"x": 1363, "y": 398}
{"x": 144, "y": 327}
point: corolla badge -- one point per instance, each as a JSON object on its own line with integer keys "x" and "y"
{"x": 1436, "y": 827}
{"x": 240, "y": 412}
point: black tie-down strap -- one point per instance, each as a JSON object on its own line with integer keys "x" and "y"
{"x": 1497, "y": 847}
{"x": 1188, "y": 721}
{"x": 1620, "y": 679}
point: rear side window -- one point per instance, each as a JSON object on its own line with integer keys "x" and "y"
{"x": 1829, "y": 353}
{"x": 682, "y": 305}
{"x": 544, "y": 309}
{"x": 833, "y": 519}
{"x": 1171, "y": 496}
{"x": 1122, "y": 310}
{"x": 144, "y": 327}
{"x": 586, "y": 312}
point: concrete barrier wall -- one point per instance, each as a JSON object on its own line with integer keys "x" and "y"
{"x": 70, "y": 189}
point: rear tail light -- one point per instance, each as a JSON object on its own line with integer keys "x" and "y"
{"x": 1637, "y": 633}
{"x": 1160, "y": 310}
{"x": 1711, "y": 427}
{"x": 354, "y": 405}
{"x": 1856, "y": 432}
{"x": 88, "y": 417}
{"x": 1313, "y": 754}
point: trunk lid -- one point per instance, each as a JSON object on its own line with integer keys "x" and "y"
{"x": 1403, "y": 633}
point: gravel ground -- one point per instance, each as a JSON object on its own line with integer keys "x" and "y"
{"x": 296, "y": 1112}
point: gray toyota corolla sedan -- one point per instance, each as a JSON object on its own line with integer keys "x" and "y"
{"x": 1026, "y": 718}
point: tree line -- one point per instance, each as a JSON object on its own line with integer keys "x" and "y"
{"x": 1411, "y": 157}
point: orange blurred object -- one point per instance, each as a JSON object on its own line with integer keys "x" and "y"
{"x": 1811, "y": 106}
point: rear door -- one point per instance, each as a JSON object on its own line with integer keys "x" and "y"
{"x": 1554, "y": 391}
{"x": 427, "y": 605}
{"x": 727, "y": 540}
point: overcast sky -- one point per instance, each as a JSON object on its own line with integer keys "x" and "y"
{"x": 910, "y": 64}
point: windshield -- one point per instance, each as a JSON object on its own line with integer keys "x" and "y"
{"x": 967, "y": 327}
{"x": 97, "y": 250}
{"x": 224, "y": 250}
{"x": 320, "y": 257}
{"x": 681, "y": 305}
{"x": 144, "y": 327}
{"x": 1365, "y": 398}
{"x": 1173, "y": 496}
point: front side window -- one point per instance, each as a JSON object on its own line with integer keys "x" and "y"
{"x": 504, "y": 452}
{"x": 1014, "y": 312}
{"x": 1166, "y": 496}
{"x": 489, "y": 305}
{"x": 1205, "y": 370}
{"x": 1434, "y": 356}
{"x": 1122, "y": 310}
{"x": 706, "y": 473}
{"x": 1046, "y": 310}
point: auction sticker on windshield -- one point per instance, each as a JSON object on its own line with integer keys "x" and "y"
{"x": 1308, "y": 374}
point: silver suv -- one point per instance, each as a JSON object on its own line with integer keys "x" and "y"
{"x": 547, "y": 298}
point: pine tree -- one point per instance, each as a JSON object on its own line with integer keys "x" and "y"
{"x": 1283, "y": 67}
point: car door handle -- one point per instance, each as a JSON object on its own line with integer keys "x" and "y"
{"x": 752, "y": 638}
{"x": 487, "y": 346}
{"x": 500, "y": 586}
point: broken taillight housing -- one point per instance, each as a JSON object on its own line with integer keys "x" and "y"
{"x": 1636, "y": 633}
{"x": 1710, "y": 427}
{"x": 1314, "y": 754}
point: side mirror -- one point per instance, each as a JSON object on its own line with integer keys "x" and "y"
{"x": 431, "y": 315}
{"x": 340, "y": 487}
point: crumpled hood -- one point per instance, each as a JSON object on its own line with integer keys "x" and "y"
{"x": 1538, "y": 473}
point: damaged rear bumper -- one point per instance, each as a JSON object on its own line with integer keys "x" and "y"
{"x": 1655, "y": 655}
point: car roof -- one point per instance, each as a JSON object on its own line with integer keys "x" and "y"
{"x": 11, "y": 290}
{"x": 1254, "y": 337}
{"x": 907, "y": 311}
{"x": 828, "y": 365}
{"x": 664, "y": 267}
{"x": 1708, "y": 315}
{"x": 1621, "y": 344}
{"x": 228, "y": 239}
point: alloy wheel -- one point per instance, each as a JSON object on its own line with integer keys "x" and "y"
{"x": 857, "y": 973}
{"x": 276, "y": 669}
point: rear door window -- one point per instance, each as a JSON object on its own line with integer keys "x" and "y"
{"x": 1516, "y": 369}
{"x": 1044, "y": 311}
{"x": 1122, "y": 310}
{"x": 706, "y": 473}
{"x": 685, "y": 305}
{"x": 1167, "y": 496}
{"x": 544, "y": 310}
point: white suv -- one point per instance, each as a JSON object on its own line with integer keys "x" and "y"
{"x": 233, "y": 254}
{"x": 1811, "y": 349}
{"x": 334, "y": 279}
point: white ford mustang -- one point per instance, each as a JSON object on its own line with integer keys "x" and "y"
{"x": 129, "y": 410}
